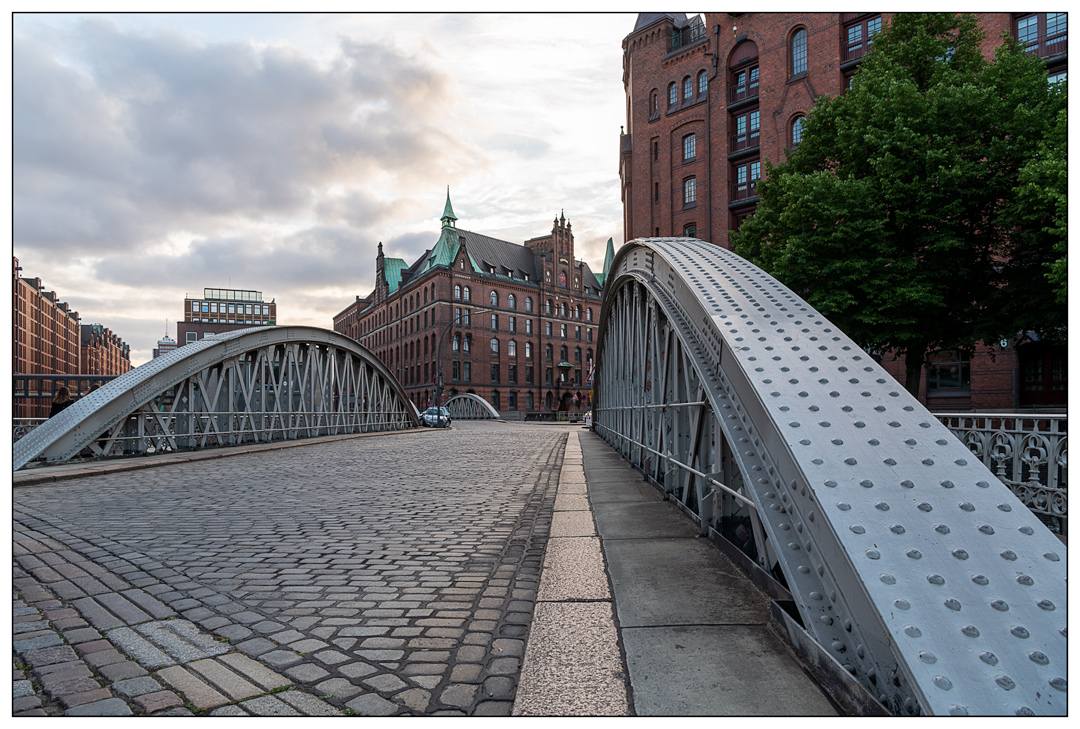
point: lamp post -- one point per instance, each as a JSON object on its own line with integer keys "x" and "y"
{"x": 437, "y": 386}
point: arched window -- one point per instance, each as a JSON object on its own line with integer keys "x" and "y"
{"x": 673, "y": 94}
{"x": 432, "y": 292}
{"x": 588, "y": 315}
{"x": 511, "y": 348}
{"x": 457, "y": 292}
{"x": 547, "y": 352}
{"x": 654, "y": 105}
{"x": 798, "y": 51}
{"x": 528, "y": 350}
{"x": 466, "y": 294}
{"x": 511, "y": 302}
{"x": 797, "y": 128}
{"x": 494, "y": 299}
{"x": 547, "y": 307}
{"x": 689, "y": 147}
{"x": 562, "y": 353}
{"x": 689, "y": 191}
{"x": 577, "y": 311}
{"x": 577, "y": 355}
{"x": 588, "y": 355}
{"x": 687, "y": 88}
{"x": 467, "y": 343}
{"x": 494, "y": 345}
{"x": 528, "y": 304}
{"x": 457, "y": 343}
{"x": 702, "y": 82}
{"x": 562, "y": 309}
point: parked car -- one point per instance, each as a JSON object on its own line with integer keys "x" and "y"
{"x": 431, "y": 417}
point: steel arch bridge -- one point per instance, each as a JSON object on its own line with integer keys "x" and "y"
{"x": 909, "y": 562}
{"x": 248, "y": 386}
{"x": 468, "y": 406}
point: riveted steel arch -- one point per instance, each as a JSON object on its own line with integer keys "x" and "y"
{"x": 249, "y": 386}
{"x": 468, "y": 406}
{"x": 909, "y": 562}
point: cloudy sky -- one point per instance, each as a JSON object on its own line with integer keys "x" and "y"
{"x": 156, "y": 155}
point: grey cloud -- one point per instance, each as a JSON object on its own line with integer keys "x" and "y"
{"x": 147, "y": 134}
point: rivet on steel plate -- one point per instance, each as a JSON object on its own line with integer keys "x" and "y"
{"x": 1026, "y": 530}
{"x": 980, "y": 580}
{"x": 982, "y": 484}
{"x": 837, "y": 441}
{"x": 858, "y": 529}
{"x": 1052, "y": 556}
{"x": 881, "y": 506}
{"x": 902, "y": 604}
{"x": 831, "y": 484}
{"x": 860, "y": 424}
{"x": 897, "y": 529}
{"x": 956, "y": 710}
{"x": 1005, "y": 682}
{"x": 986, "y": 529}
{"x": 1039, "y": 657}
{"x": 866, "y": 483}
{"x": 1020, "y": 631}
{"x": 843, "y": 506}
{"x": 913, "y": 632}
{"x": 874, "y": 441}
{"x": 914, "y": 554}
{"x": 1004, "y": 507}
{"x": 999, "y": 605}
{"x": 935, "y": 579}
{"x": 925, "y": 507}
{"x": 907, "y": 484}
{"x": 953, "y": 604}
{"x": 1059, "y": 683}
{"x": 889, "y": 462}
{"x": 1024, "y": 711}
{"x": 967, "y": 506}
{"x": 1008, "y": 554}
{"x": 970, "y": 630}
{"x": 947, "y": 484}
{"x": 838, "y": 646}
{"x": 928, "y": 461}
{"x": 988, "y": 657}
{"x": 850, "y": 461}
{"x": 942, "y": 683}
{"x": 873, "y": 554}
{"x": 1025, "y": 580}
{"x": 941, "y": 529}
{"x": 888, "y": 579}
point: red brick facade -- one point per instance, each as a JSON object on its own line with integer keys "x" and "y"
{"x": 708, "y": 101}
{"x": 223, "y": 310}
{"x": 498, "y": 346}
{"x": 101, "y": 352}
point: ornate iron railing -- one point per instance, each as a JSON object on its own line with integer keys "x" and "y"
{"x": 1028, "y": 453}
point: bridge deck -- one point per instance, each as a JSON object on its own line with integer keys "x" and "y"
{"x": 389, "y": 585}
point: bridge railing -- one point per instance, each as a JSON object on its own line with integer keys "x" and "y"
{"x": 1028, "y": 453}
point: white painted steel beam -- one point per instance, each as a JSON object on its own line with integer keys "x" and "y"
{"x": 908, "y": 560}
{"x": 468, "y": 406}
{"x": 249, "y": 386}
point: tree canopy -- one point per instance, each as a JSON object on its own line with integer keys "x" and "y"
{"x": 922, "y": 207}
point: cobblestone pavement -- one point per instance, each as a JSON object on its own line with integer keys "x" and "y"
{"x": 376, "y": 576}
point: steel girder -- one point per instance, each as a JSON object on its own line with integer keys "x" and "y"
{"x": 468, "y": 406}
{"x": 248, "y": 386}
{"x": 910, "y": 563}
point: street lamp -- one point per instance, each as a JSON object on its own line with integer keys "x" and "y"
{"x": 437, "y": 386}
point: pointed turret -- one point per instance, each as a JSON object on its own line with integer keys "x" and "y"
{"x": 609, "y": 256}
{"x": 448, "y": 217}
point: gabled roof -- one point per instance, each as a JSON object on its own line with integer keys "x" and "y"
{"x": 392, "y": 268}
{"x": 646, "y": 19}
{"x": 499, "y": 254}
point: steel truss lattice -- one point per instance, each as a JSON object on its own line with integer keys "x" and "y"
{"x": 468, "y": 406}
{"x": 248, "y": 386}
{"x": 909, "y": 562}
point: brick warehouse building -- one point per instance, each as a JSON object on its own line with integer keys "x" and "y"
{"x": 101, "y": 352}
{"x": 513, "y": 324}
{"x": 708, "y": 100}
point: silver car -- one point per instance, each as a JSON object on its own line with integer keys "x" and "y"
{"x": 435, "y": 417}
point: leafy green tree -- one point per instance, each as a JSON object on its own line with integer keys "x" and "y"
{"x": 900, "y": 216}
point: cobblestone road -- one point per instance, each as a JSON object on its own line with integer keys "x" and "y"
{"x": 378, "y": 576}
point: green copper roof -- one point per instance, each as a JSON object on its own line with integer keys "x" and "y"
{"x": 609, "y": 256}
{"x": 448, "y": 211}
{"x": 392, "y": 268}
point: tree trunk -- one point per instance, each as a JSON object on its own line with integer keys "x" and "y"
{"x": 913, "y": 365}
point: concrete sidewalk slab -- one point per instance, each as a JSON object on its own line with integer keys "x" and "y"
{"x": 641, "y": 519}
{"x": 625, "y": 487}
{"x": 684, "y": 581}
{"x": 730, "y": 670}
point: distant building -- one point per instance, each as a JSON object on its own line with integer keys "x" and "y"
{"x": 101, "y": 352}
{"x": 513, "y": 324}
{"x": 223, "y": 310}
{"x": 165, "y": 344}
{"x": 46, "y": 330}
{"x": 709, "y": 100}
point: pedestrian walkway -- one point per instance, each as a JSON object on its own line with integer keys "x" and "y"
{"x": 693, "y": 629}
